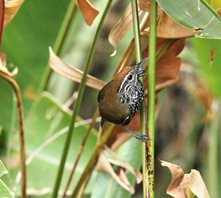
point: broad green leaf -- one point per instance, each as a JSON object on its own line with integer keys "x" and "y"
{"x": 129, "y": 153}
{"x": 25, "y": 42}
{"x": 46, "y": 128}
{"x": 4, "y": 190}
{"x": 209, "y": 59}
{"x": 195, "y": 15}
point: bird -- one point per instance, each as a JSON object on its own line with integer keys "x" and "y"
{"x": 121, "y": 98}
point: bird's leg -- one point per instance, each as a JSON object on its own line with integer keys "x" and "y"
{"x": 142, "y": 138}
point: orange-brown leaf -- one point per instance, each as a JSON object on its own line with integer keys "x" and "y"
{"x": 144, "y": 5}
{"x": 104, "y": 165}
{"x": 88, "y": 11}
{"x": 11, "y": 8}
{"x": 168, "y": 28}
{"x": 121, "y": 27}
{"x": 72, "y": 73}
{"x": 168, "y": 67}
{"x": 181, "y": 183}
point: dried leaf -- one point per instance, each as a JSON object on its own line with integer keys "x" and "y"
{"x": 181, "y": 183}
{"x": 11, "y": 8}
{"x": 121, "y": 28}
{"x": 72, "y": 73}
{"x": 168, "y": 67}
{"x": 168, "y": 28}
{"x": 104, "y": 165}
{"x": 117, "y": 161}
{"x": 3, "y": 68}
{"x": 144, "y": 5}
{"x": 123, "y": 177}
{"x": 87, "y": 10}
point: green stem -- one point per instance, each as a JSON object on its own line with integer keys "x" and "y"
{"x": 213, "y": 152}
{"x": 136, "y": 29}
{"x": 143, "y": 119}
{"x": 17, "y": 93}
{"x": 92, "y": 161}
{"x": 151, "y": 95}
{"x": 59, "y": 43}
{"x": 79, "y": 154}
{"x": 77, "y": 104}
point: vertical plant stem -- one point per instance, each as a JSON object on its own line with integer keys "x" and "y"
{"x": 151, "y": 95}
{"x": 93, "y": 159}
{"x": 59, "y": 43}
{"x": 143, "y": 119}
{"x": 77, "y": 103}
{"x": 86, "y": 135}
{"x": 213, "y": 164}
{"x": 136, "y": 29}
{"x": 17, "y": 92}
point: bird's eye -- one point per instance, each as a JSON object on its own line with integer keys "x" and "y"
{"x": 126, "y": 121}
{"x": 130, "y": 77}
{"x": 122, "y": 100}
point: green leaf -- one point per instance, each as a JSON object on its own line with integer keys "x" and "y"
{"x": 25, "y": 42}
{"x": 128, "y": 153}
{"x": 194, "y": 14}
{"x": 46, "y": 127}
{"x": 4, "y": 190}
{"x": 209, "y": 59}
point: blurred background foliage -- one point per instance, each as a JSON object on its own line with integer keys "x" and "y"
{"x": 188, "y": 127}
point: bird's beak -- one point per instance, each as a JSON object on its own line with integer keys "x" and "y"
{"x": 138, "y": 67}
{"x": 140, "y": 72}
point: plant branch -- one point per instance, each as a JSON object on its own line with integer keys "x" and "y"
{"x": 151, "y": 96}
{"x": 77, "y": 104}
{"x": 92, "y": 161}
{"x": 86, "y": 135}
{"x": 143, "y": 118}
{"x": 17, "y": 92}
{"x": 136, "y": 29}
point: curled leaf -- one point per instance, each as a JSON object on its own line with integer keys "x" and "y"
{"x": 117, "y": 161}
{"x": 168, "y": 28}
{"x": 72, "y": 73}
{"x": 181, "y": 183}
{"x": 11, "y": 8}
{"x": 3, "y": 68}
{"x": 87, "y": 10}
{"x": 104, "y": 165}
{"x": 120, "y": 28}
